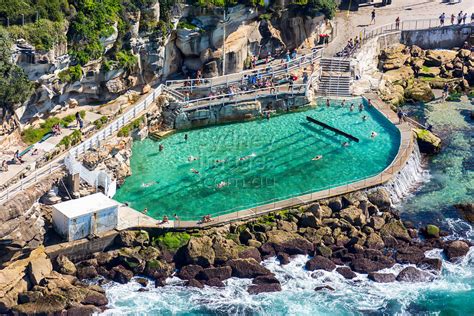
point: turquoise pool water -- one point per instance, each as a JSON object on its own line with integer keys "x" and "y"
{"x": 244, "y": 164}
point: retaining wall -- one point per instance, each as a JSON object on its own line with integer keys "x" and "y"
{"x": 435, "y": 38}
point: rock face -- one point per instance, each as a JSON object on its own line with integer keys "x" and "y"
{"x": 199, "y": 251}
{"x": 427, "y": 141}
{"x": 382, "y": 277}
{"x": 247, "y": 268}
{"x": 320, "y": 263}
{"x": 467, "y": 211}
{"x": 411, "y": 274}
{"x": 456, "y": 249}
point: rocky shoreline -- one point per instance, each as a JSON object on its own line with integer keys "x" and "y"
{"x": 353, "y": 233}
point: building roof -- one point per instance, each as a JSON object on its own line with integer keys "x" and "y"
{"x": 85, "y": 205}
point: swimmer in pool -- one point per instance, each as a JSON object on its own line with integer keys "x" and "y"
{"x": 364, "y": 118}
{"x": 343, "y": 102}
{"x": 317, "y": 157}
{"x": 247, "y": 157}
{"x": 352, "y": 107}
{"x": 345, "y": 144}
{"x": 361, "y": 107}
{"x": 373, "y": 134}
{"x": 194, "y": 171}
{"x": 192, "y": 158}
{"x": 327, "y": 103}
{"x": 219, "y": 161}
{"x": 221, "y": 184}
{"x": 161, "y": 147}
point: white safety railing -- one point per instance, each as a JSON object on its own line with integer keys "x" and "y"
{"x": 92, "y": 142}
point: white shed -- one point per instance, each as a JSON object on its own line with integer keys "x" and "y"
{"x": 79, "y": 218}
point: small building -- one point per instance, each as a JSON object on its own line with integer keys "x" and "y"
{"x": 89, "y": 215}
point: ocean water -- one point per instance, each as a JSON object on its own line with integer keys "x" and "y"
{"x": 450, "y": 293}
{"x": 246, "y": 164}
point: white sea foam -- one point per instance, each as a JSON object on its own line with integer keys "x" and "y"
{"x": 297, "y": 297}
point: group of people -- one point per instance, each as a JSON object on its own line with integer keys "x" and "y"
{"x": 460, "y": 18}
{"x": 350, "y": 48}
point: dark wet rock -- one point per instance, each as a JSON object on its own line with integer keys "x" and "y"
{"x": 65, "y": 266}
{"x": 284, "y": 258}
{"x": 290, "y": 243}
{"x": 434, "y": 264}
{"x": 410, "y": 255}
{"x": 390, "y": 241}
{"x": 158, "y": 269}
{"x": 267, "y": 251}
{"x": 250, "y": 252}
{"x": 50, "y": 304}
{"x": 103, "y": 272}
{"x": 219, "y": 273}
{"x": 95, "y": 298}
{"x": 265, "y": 283}
{"x": 309, "y": 220}
{"x": 466, "y": 209}
{"x": 346, "y": 272}
{"x": 160, "y": 282}
{"x": 381, "y": 198}
{"x": 86, "y": 273}
{"x": 382, "y": 277}
{"x": 121, "y": 275}
{"x": 105, "y": 258}
{"x": 29, "y": 297}
{"x": 189, "y": 272}
{"x": 395, "y": 229}
{"x": 335, "y": 204}
{"x": 132, "y": 238}
{"x": 376, "y": 222}
{"x": 412, "y": 274}
{"x": 364, "y": 265}
{"x": 82, "y": 310}
{"x": 142, "y": 281}
{"x": 142, "y": 289}
{"x": 432, "y": 231}
{"x": 247, "y": 268}
{"x": 456, "y": 249}
{"x": 324, "y": 251}
{"x": 320, "y": 263}
{"x": 324, "y": 287}
{"x": 195, "y": 283}
{"x": 214, "y": 282}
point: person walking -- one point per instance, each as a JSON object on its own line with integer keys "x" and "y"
{"x": 460, "y": 15}
{"x": 397, "y": 23}
{"x": 441, "y": 19}
{"x": 464, "y": 18}
{"x": 79, "y": 120}
{"x": 373, "y": 17}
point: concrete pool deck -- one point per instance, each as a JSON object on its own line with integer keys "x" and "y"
{"x": 404, "y": 152}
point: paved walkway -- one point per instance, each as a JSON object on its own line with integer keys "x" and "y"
{"x": 351, "y": 24}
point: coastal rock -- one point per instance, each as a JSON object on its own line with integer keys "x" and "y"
{"x": 324, "y": 287}
{"x": 82, "y": 310}
{"x": 214, "y": 282}
{"x": 410, "y": 254}
{"x": 335, "y": 204}
{"x": 88, "y": 272}
{"x": 95, "y": 298}
{"x": 382, "y": 277}
{"x": 284, "y": 258}
{"x": 65, "y": 266}
{"x": 157, "y": 269}
{"x": 395, "y": 229}
{"x": 437, "y": 58}
{"x": 320, "y": 263}
{"x": 224, "y": 249}
{"x": 412, "y": 274}
{"x": 353, "y": 215}
{"x": 419, "y": 90}
{"x": 199, "y": 251}
{"x": 427, "y": 141}
{"x": 290, "y": 243}
{"x": 195, "y": 283}
{"x": 467, "y": 211}
{"x": 434, "y": 264}
{"x": 245, "y": 236}
{"x": 39, "y": 268}
{"x": 365, "y": 265}
{"x": 376, "y": 222}
{"x": 374, "y": 241}
{"x": 132, "y": 238}
{"x": 432, "y": 231}
{"x": 381, "y": 198}
{"x": 247, "y": 268}
{"x": 346, "y": 272}
{"x": 456, "y": 249}
{"x": 250, "y": 252}
{"x": 266, "y": 283}
{"x": 121, "y": 275}
{"x": 287, "y": 226}
{"x": 220, "y": 273}
{"x": 309, "y": 220}
{"x": 189, "y": 272}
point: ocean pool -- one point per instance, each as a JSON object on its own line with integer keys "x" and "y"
{"x": 245, "y": 164}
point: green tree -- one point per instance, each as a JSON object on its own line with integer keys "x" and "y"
{"x": 15, "y": 88}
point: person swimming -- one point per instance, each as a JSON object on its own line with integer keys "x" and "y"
{"x": 219, "y": 161}
{"x": 221, "y": 184}
{"x": 345, "y": 144}
{"x": 352, "y": 107}
{"x": 185, "y": 137}
{"x": 161, "y": 147}
{"x": 343, "y": 102}
{"x": 364, "y": 118}
{"x": 148, "y": 184}
{"x": 327, "y": 103}
{"x": 192, "y": 158}
{"x": 361, "y": 107}
{"x": 248, "y": 156}
{"x": 317, "y": 157}
{"x": 373, "y": 134}
{"x": 194, "y": 171}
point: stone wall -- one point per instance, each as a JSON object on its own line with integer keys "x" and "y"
{"x": 445, "y": 37}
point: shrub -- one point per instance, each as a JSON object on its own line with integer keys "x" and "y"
{"x": 126, "y": 60}
{"x": 72, "y": 139}
{"x": 100, "y": 122}
{"x": 125, "y": 131}
{"x": 72, "y": 74}
{"x": 454, "y": 97}
{"x": 43, "y": 35}
{"x": 265, "y": 16}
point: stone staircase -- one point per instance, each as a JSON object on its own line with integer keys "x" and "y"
{"x": 335, "y": 79}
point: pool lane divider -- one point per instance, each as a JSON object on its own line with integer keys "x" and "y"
{"x": 324, "y": 125}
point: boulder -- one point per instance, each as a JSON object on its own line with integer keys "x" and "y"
{"x": 434, "y": 264}
{"x": 83, "y": 310}
{"x": 456, "y": 249}
{"x": 95, "y": 298}
{"x": 158, "y": 269}
{"x": 88, "y": 272}
{"x": 365, "y": 265}
{"x": 324, "y": 287}
{"x": 376, "y": 222}
{"x": 395, "y": 229}
{"x": 430, "y": 72}
{"x": 50, "y": 304}
{"x": 142, "y": 281}
{"x": 382, "y": 277}
{"x": 250, "y": 252}
{"x": 399, "y": 76}
{"x": 324, "y": 251}
{"x": 381, "y": 198}
{"x": 220, "y": 273}
{"x": 412, "y": 274}
{"x": 189, "y": 272}
{"x": 374, "y": 241}
{"x": 410, "y": 254}
{"x": 247, "y": 268}
{"x": 467, "y": 211}
{"x": 195, "y": 283}
{"x": 432, "y": 231}
{"x": 320, "y": 263}
{"x": 419, "y": 90}
{"x": 290, "y": 243}
{"x": 428, "y": 142}
{"x": 266, "y": 283}
{"x": 65, "y": 266}
{"x": 224, "y": 249}
{"x": 438, "y": 57}
{"x": 346, "y": 272}
{"x": 309, "y": 220}
{"x": 284, "y": 258}
{"x": 335, "y": 204}
{"x": 121, "y": 275}
{"x": 132, "y": 238}
{"x": 245, "y": 236}
{"x": 353, "y": 215}
{"x": 39, "y": 268}
{"x": 214, "y": 282}
{"x": 199, "y": 251}
{"x": 287, "y": 226}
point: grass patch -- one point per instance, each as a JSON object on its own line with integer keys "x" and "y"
{"x": 172, "y": 240}
{"x": 71, "y": 140}
{"x": 100, "y": 122}
{"x": 454, "y": 97}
